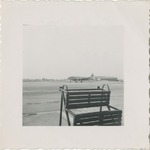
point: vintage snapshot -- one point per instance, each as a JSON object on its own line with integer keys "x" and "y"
{"x": 72, "y": 73}
{"x": 75, "y": 75}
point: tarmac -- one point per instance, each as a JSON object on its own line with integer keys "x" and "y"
{"x": 41, "y": 102}
{"x": 44, "y": 119}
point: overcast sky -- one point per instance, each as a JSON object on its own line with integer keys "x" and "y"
{"x": 57, "y": 52}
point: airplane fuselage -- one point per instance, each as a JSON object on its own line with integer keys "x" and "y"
{"x": 80, "y": 79}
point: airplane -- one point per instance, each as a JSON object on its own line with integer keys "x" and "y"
{"x": 81, "y": 79}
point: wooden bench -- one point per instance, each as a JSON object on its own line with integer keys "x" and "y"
{"x": 89, "y": 107}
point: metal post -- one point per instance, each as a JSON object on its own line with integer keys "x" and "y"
{"x": 61, "y": 107}
{"x": 68, "y": 120}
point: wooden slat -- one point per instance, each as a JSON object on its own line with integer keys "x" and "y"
{"x": 87, "y": 115}
{"x": 92, "y": 118}
{"x": 88, "y": 100}
{"x": 103, "y": 113}
{"x": 97, "y": 122}
{"x": 111, "y": 120}
{"x": 112, "y": 124}
{"x": 87, "y": 96}
{"x": 112, "y": 116}
{"x": 94, "y": 89}
{"x": 97, "y": 117}
{"x": 87, "y": 92}
{"x": 88, "y": 119}
{"x": 86, "y": 105}
{"x": 99, "y": 101}
{"x": 90, "y": 123}
{"x": 111, "y": 112}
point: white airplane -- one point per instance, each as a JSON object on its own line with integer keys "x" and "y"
{"x": 81, "y": 79}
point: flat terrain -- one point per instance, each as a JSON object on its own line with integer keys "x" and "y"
{"x": 41, "y": 100}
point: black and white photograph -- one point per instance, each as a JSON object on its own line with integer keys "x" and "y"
{"x": 72, "y": 75}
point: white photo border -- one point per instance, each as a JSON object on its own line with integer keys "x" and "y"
{"x": 135, "y": 18}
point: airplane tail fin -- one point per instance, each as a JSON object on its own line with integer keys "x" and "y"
{"x": 92, "y": 76}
